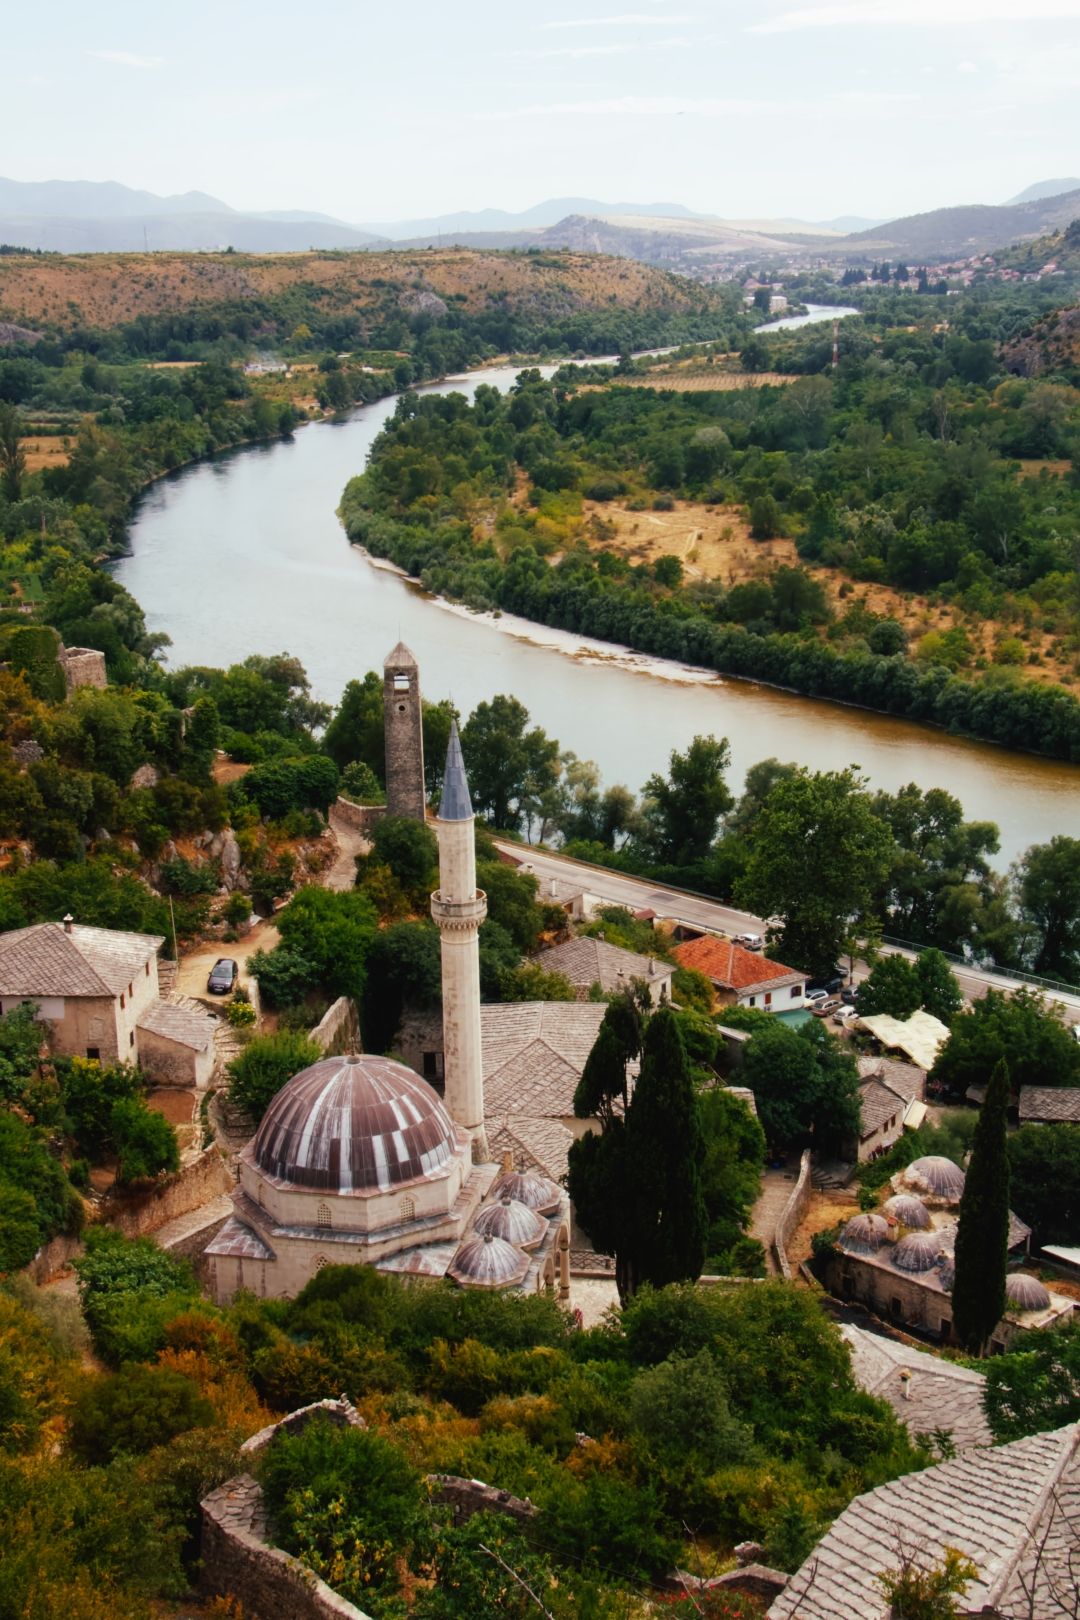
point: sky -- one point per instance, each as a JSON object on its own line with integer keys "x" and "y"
{"x": 376, "y": 110}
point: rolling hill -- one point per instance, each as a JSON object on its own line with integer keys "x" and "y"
{"x": 957, "y": 232}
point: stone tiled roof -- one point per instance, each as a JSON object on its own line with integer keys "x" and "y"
{"x": 878, "y": 1104}
{"x": 45, "y": 960}
{"x": 1013, "y": 1510}
{"x": 240, "y": 1242}
{"x": 906, "y": 1079}
{"x": 586, "y": 961}
{"x": 732, "y": 966}
{"x": 938, "y": 1395}
{"x": 1050, "y": 1104}
{"x": 534, "y": 1052}
{"x": 184, "y": 1025}
{"x": 534, "y": 1143}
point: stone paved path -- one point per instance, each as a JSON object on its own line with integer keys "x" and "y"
{"x": 776, "y": 1189}
{"x": 350, "y": 843}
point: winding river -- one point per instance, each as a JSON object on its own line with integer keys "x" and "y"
{"x": 245, "y": 554}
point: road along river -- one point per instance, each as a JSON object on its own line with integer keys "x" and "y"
{"x": 245, "y": 554}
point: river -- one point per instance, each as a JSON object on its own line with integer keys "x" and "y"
{"x": 245, "y": 554}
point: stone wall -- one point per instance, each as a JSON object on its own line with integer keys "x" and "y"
{"x": 138, "y": 1213}
{"x": 238, "y": 1562}
{"x": 420, "y": 1032}
{"x": 464, "y": 1497}
{"x": 793, "y": 1212}
{"x": 82, "y": 666}
{"x": 361, "y": 816}
{"x": 52, "y": 1257}
{"x": 338, "y": 1031}
{"x": 342, "y": 1414}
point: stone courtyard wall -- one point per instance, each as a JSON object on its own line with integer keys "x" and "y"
{"x": 338, "y": 1031}
{"x": 361, "y": 816}
{"x": 792, "y": 1214}
{"x": 137, "y": 1214}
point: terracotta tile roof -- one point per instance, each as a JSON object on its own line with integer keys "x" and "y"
{"x": 586, "y": 961}
{"x": 732, "y": 966}
{"x": 1050, "y": 1104}
{"x": 939, "y": 1394}
{"x": 1014, "y": 1510}
{"x": 45, "y": 960}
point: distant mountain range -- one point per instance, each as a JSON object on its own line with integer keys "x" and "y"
{"x": 103, "y": 216}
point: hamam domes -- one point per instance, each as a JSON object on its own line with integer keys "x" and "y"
{"x": 358, "y": 1159}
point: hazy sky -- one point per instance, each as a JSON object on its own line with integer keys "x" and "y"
{"x": 369, "y": 111}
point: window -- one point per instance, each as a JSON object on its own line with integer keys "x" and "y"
{"x": 122, "y": 1001}
{"x": 753, "y": 1001}
{"x": 322, "y": 1215}
{"x": 768, "y": 998}
{"x": 147, "y": 970}
{"x": 131, "y": 989}
{"x": 433, "y": 1066}
{"x": 796, "y": 991}
{"x": 401, "y": 683}
{"x": 131, "y": 1037}
{"x": 93, "y": 1052}
{"x": 320, "y": 1261}
{"x": 896, "y": 1306}
{"x": 408, "y": 1209}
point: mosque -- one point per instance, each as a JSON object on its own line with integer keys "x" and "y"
{"x": 358, "y": 1159}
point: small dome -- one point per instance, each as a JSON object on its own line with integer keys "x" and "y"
{"x": 864, "y": 1234}
{"x": 515, "y": 1222}
{"x": 1024, "y": 1293}
{"x": 529, "y": 1187}
{"x": 354, "y": 1124}
{"x": 908, "y": 1210}
{"x": 488, "y": 1262}
{"x": 919, "y": 1251}
{"x": 937, "y": 1175}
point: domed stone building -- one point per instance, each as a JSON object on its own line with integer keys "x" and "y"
{"x": 358, "y": 1160}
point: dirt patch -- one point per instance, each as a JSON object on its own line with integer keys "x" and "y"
{"x": 1032, "y": 468}
{"x": 195, "y": 968}
{"x": 695, "y": 382}
{"x": 228, "y": 770}
{"x": 825, "y": 1209}
{"x": 46, "y": 450}
{"x": 711, "y": 542}
{"x": 178, "y": 1107}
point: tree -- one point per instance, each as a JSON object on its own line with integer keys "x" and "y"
{"x": 1044, "y": 1170}
{"x": 1035, "y": 1389}
{"x": 917, "y": 1593}
{"x": 637, "y": 1186}
{"x": 134, "y": 1410}
{"x": 939, "y": 887}
{"x": 411, "y": 851}
{"x": 144, "y": 1140}
{"x": 1022, "y": 1029}
{"x": 732, "y": 1161}
{"x": 803, "y": 1083}
{"x": 508, "y": 765}
{"x": 333, "y": 931}
{"x": 264, "y": 1065}
{"x": 1046, "y": 882}
{"x": 891, "y": 987}
{"x": 683, "y": 809}
{"x": 404, "y": 970}
{"x": 12, "y": 454}
{"x": 939, "y": 992}
{"x": 356, "y": 731}
{"x": 982, "y": 1232}
{"x": 818, "y": 855}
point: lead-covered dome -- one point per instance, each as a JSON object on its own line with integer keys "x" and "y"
{"x": 908, "y": 1210}
{"x": 488, "y": 1262}
{"x": 529, "y": 1187}
{"x": 935, "y": 1175}
{"x": 919, "y": 1251}
{"x": 863, "y": 1234}
{"x": 354, "y": 1124}
{"x": 1024, "y": 1293}
{"x": 513, "y": 1221}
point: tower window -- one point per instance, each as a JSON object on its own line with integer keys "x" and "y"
{"x": 322, "y": 1215}
{"x": 401, "y": 683}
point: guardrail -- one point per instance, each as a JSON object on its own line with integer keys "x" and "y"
{"x": 977, "y": 967}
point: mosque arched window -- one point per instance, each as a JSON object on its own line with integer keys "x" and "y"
{"x": 320, "y": 1261}
{"x": 408, "y": 1209}
{"x": 322, "y": 1216}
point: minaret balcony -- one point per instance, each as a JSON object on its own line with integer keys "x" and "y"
{"x": 463, "y": 914}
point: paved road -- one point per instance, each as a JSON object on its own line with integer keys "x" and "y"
{"x": 639, "y": 894}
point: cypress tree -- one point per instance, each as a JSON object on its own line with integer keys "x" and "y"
{"x": 982, "y": 1235}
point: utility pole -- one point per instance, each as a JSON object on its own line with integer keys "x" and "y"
{"x": 835, "y": 344}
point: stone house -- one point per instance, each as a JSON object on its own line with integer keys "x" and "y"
{"x": 97, "y": 990}
{"x": 743, "y": 978}
{"x": 587, "y": 962}
{"x": 1050, "y": 1105}
{"x": 891, "y": 1101}
{"x": 925, "y": 1391}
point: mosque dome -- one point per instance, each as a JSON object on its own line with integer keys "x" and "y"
{"x": 355, "y": 1124}
{"x": 938, "y": 1176}
{"x": 908, "y": 1210}
{"x": 864, "y": 1234}
{"x": 529, "y": 1187}
{"x": 919, "y": 1251}
{"x": 1024, "y": 1293}
{"x": 488, "y": 1262}
{"x": 513, "y": 1221}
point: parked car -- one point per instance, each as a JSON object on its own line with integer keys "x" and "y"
{"x": 822, "y": 1009}
{"x": 832, "y": 984}
{"x": 750, "y": 942}
{"x": 814, "y": 998}
{"x": 844, "y": 1014}
{"x": 850, "y": 995}
{"x": 223, "y": 977}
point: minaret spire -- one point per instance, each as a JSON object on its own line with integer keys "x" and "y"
{"x": 458, "y": 908}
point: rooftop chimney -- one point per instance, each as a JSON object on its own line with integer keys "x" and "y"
{"x": 68, "y": 920}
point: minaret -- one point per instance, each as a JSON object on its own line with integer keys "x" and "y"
{"x": 404, "y": 732}
{"x": 459, "y": 908}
